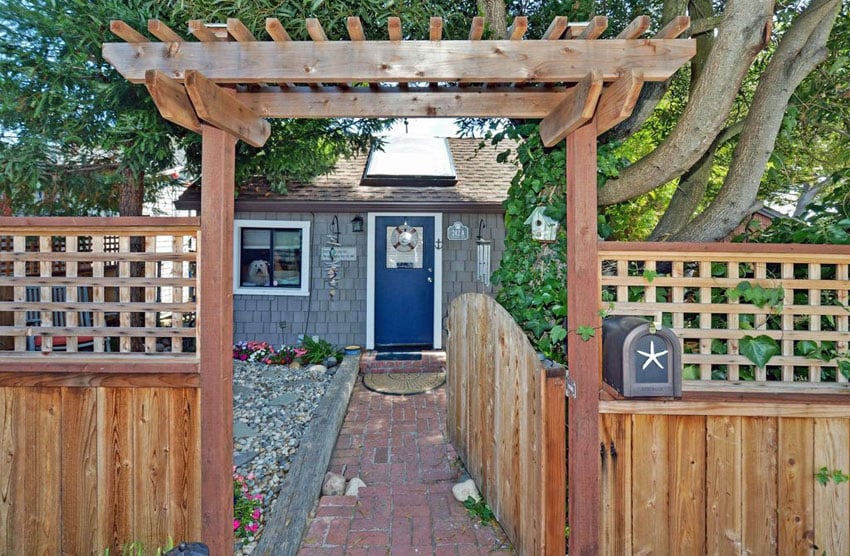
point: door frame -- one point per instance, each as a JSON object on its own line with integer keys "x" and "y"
{"x": 370, "y": 274}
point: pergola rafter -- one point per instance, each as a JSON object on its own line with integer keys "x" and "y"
{"x": 319, "y": 78}
{"x": 228, "y": 83}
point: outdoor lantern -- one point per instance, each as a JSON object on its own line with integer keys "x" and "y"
{"x": 357, "y": 224}
{"x": 543, "y": 228}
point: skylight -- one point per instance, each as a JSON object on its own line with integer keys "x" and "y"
{"x": 411, "y": 162}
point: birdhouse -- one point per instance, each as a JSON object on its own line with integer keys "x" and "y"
{"x": 543, "y": 228}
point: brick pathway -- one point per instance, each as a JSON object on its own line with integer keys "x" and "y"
{"x": 397, "y": 445}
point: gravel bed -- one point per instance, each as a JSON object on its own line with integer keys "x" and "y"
{"x": 272, "y": 406}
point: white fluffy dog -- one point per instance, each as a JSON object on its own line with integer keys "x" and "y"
{"x": 258, "y": 272}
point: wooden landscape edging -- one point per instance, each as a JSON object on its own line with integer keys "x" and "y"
{"x": 286, "y": 521}
{"x": 506, "y": 421}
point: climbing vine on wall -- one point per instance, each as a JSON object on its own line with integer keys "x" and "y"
{"x": 532, "y": 275}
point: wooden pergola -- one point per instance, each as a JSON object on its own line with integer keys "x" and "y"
{"x": 228, "y": 83}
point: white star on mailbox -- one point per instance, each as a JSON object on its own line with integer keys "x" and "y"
{"x": 652, "y": 357}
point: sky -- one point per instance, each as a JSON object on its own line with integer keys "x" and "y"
{"x": 425, "y": 127}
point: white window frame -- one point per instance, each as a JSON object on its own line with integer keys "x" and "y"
{"x": 304, "y": 226}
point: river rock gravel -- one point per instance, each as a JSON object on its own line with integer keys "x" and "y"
{"x": 272, "y": 406}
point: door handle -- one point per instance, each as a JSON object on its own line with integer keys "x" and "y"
{"x": 430, "y": 279}
{"x": 430, "y": 270}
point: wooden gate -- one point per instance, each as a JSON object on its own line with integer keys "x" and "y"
{"x": 101, "y": 447}
{"x": 506, "y": 419}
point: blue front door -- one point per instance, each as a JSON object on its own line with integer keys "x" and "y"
{"x": 404, "y": 281}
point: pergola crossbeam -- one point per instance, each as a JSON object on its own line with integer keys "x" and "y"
{"x": 172, "y": 100}
{"x": 404, "y": 61}
{"x": 575, "y": 110}
{"x": 220, "y": 108}
{"x": 618, "y": 100}
{"x": 398, "y": 103}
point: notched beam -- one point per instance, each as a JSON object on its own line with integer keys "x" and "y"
{"x": 121, "y": 29}
{"x": 618, "y": 100}
{"x": 172, "y": 100}
{"x": 576, "y": 109}
{"x": 674, "y": 27}
{"x": 636, "y": 28}
{"x": 162, "y": 31}
{"x": 220, "y": 108}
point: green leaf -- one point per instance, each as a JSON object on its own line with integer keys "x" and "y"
{"x": 558, "y": 333}
{"x": 649, "y": 275}
{"x": 586, "y": 332}
{"x": 760, "y": 349}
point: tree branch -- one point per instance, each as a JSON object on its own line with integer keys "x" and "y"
{"x": 738, "y": 41}
{"x": 802, "y": 48}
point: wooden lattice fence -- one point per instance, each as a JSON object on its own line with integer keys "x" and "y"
{"x": 800, "y": 298}
{"x": 100, "y": 398}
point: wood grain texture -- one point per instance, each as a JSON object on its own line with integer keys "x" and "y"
{"x": 81, "y": 489}
{"x": 506, "y": 421}
{"x": 584, "y": 356}
{"x": 651, "y": 484}
{"x": 723, "y": 486}
{"x": 616, "y": 480}
{"x": 215, "y": 324}
{"x": 687, "y": 484}
{"x": 759, "y": 476}
{"x": 219, "y": 107}
{"x": 796, "y": 495}
{"x": 832, "y": 501}
{"x": 402, "y": 61}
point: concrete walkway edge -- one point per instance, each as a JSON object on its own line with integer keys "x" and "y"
{"x": 299, "y": 493}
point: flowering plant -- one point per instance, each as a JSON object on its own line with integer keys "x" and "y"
{"x": 247, "y": 507}
{"x": 285, "y": 355}
{"x": 252, "y": 351}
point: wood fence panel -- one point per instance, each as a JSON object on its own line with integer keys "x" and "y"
{"x": 716, "y": 483}
{"x": 723, "y": 485}
{"x": 687, "y": 484}
{"x": 832, "y": 501}
{"x": 650, "y": 484}
{"x": 615, "y": 478}
{"x": 82, "y": 527}
{"x": 506, "y": 420}
{"x": 759, "y": 476}
{"x": 796, "y": 495}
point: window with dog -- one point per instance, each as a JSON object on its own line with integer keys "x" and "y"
{"x": 272, "y": 257}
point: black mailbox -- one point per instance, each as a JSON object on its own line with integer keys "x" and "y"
{"x": 640, "y": 361}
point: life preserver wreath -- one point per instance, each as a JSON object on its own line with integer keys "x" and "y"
{"x": 404, "y": 238}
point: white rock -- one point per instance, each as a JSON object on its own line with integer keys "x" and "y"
{"x": 466, "y": 489}
{"x": 354, "y": 485}
{"x": 334, "y": 484}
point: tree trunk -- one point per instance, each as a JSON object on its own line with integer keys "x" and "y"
{"x": 130, "y": 203}
{"x": 495, "y": 17}
{"x": 739, "y": 38}
{"x": 131, "y": 193}
{"x": 691, "y": 190}
{"x": 802, "y": 48}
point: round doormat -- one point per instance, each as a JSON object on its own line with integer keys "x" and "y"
{"x": 403, "y": 383}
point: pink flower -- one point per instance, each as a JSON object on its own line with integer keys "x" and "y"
{"x": 252, "y": 527}
{"x": 236, "y": 524}
{"x": 255, "y": 515}
{"x": 250, "y": 476}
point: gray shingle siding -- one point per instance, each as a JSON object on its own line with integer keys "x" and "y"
{"x": 342, "y": 320}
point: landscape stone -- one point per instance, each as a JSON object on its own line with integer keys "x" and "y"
{"x": 241, "y": 430}
{"x": 286, "y": 399}
{"x": 241, "y": 458}
{"x": 466, "y": 489}
{"x": 334, "y": 484}
{"x": 354, "y": 485}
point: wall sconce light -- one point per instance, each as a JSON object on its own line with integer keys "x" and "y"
{"x": 357, "y": 224}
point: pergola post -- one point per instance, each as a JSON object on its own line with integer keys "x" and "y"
{"x": 215, "y": 321}
{"x": 583, "y": 287}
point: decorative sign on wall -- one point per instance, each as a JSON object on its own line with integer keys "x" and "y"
{"x": 457, "y": 231}
{"x": 339, "y": 254}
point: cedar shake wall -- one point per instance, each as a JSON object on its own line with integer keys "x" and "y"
{"x": 342, "y": 320}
